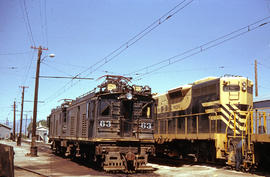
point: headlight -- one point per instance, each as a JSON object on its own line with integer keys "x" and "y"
{"x": 111, "y": 87}
{"x": 137, "y": 88}
{"x": 244, "y": 86}
{"x": 129, "y": 96}
{"x": 147, "y": 88}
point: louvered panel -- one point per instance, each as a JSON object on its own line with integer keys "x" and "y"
{"x": 84, "y": 125}
{"x": 72, "y": 126}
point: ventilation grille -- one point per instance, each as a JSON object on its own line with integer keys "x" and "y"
{"x": 72, "y": 128}
{"x": 84, "y": 126}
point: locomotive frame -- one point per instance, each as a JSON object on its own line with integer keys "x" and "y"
{"x": 111, "y": 126}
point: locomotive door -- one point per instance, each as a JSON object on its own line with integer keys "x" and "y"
{"x": 91, "y": 117}
{"x": 126, "y": 118}
{"x": 78, "y": 122}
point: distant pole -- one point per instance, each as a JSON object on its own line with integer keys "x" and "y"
{"x": 7, "y": 122}
{"x": 14, "y": 120}
{"x": 20, "y": 135}
{"x": 25, "y": 131}
{"x": 256, "y": 79}
{"x": 17, "y": 129}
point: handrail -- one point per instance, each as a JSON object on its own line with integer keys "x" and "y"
{"x": 264, "y": 122}
{"x": 226, "y": 131}
{"x": 234, "y": 126}
{"x": 179, "y": 116}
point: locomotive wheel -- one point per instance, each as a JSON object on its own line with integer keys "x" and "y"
{"x": 100, "y": 162}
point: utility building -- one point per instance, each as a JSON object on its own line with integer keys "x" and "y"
{"x": 4, "y": 131}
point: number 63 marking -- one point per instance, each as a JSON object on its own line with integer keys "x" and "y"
{"x": 146, "y": 125}
{"x": 104, "y": 123}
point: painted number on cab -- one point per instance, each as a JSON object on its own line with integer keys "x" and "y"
{"x": 145, "y": 125}
{"x": 104, "y": 123}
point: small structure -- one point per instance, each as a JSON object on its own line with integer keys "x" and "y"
{"x": 4, "y": 131}
{"x": 42, "y": 134}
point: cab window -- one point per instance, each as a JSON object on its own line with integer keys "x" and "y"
{"x": 231, "y": 88}
{"x": 105, "y": 108}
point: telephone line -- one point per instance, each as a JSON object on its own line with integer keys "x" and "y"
{"x": 201, "y": 48}
{"x": 136, "y": 38}
{"x": 15, "y": 53}
{"x": 28, "y": 23}
{"x": 125, "y": 45}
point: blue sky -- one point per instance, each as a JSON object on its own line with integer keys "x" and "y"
{"x": 83, "y": 32}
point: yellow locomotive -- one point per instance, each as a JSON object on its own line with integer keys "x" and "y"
{"x": 208, "y": 118}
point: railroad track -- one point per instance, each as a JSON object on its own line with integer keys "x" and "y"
{"x": 28, "y": 170}
{"x": 174, "y": 162}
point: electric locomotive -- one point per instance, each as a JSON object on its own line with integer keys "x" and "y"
{"x": 112, "y": 126}
{"x": 209, "y": 118}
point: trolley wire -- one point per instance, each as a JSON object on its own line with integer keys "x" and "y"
{"x": 15, "y": 53}
{"x": 45, "y": 23}
{"x": 176, "y": 9}
{"x": 41, "y": 22}
{"x": 137, "y": 37}
{"x": 57, "y": 69}
{"x": 264, "y": 65}
{"x": 28, "y": 23}
{"x": 199, "y": 49}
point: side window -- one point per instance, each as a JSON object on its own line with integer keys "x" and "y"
{"x": 105, "y": 108}
{"x": 65, "y": 116}
{"x": 147, "y": 111}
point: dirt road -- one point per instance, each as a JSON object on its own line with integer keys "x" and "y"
{"x": 47, "y": 164}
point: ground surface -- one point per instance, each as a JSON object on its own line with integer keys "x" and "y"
{"x": 47, "y": 164}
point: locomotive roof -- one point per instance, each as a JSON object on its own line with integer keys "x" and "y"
{"x": 200, "y": 82}
{"x": 204, "y": 80}
{"x": 112, "y": 84}
{"x": 183, "y": 87}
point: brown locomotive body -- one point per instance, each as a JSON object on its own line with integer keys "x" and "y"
{"x": 111, "y": 126}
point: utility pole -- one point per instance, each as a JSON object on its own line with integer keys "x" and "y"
{"x": 14, "y": 121}
{"x": 19, "y": 142}
{"x": 25, "y": 131}
{"x": 7, "y": 122}
{"x": 256, "y": 79}
{"x": 33, "y": 148}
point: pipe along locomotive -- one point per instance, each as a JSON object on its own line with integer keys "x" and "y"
{"x": 111, "y": 126}
{"x": 209, "y": 119}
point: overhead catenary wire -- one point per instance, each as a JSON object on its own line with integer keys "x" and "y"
{"x": 57, "y": 69}
{"x": 28, "y": 23}
{"x": 28, "y": 69}
{"x": 25, "y": 23}
{"x": 15, "y": 53}
{"x": 45, "y": 23}
{"x": 201, "y": 48}
{"x": 112, "y": 55}
{"x": 139, "y": 36}
{"x": 42, "y": 29}
{"x": 264, "y": 65}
